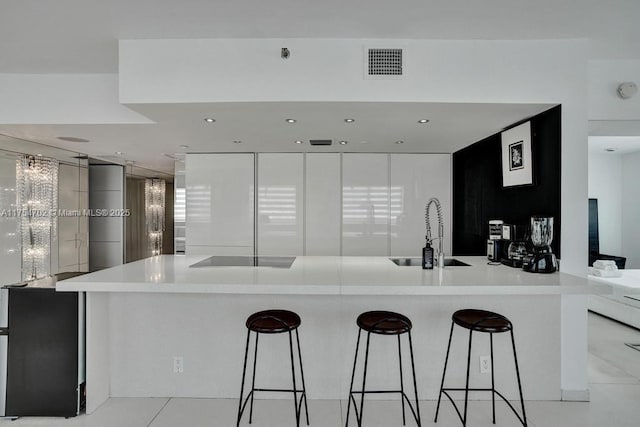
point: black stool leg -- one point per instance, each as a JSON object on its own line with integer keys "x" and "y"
{"x": 244, "y": 371}
{"x": 293, "y": 378}
{"x": 446, "y": 360}
{"x": 466, "y": 387}
{"x": 364, "y": 378}
{"x": 515, "y": 359}
{"x": 304, "y": 387}
{"x": 415, "y": 384}
{"x": 353, "y": 374}
{"x": 401, "y": 381}
{"x": 253, "y": 380}
{"x": 493, "y": 386}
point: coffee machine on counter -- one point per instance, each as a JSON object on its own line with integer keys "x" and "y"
{"x": 507, "y": 243}
{"x": 541, "y": 259}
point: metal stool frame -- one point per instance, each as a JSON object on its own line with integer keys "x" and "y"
{"x": 359, "y": 413}
{"x": 297, "y": 404}
{"x": 443, "y": 390}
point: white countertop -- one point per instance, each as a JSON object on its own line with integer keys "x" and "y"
{"x": 328, "y": 275}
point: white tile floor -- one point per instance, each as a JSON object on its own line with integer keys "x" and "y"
{"x": 614, "y": 374}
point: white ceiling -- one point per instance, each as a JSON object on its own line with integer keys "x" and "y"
{"x": 76, "y": 36}
{"x": 619, "y": 144}
{"x": 262, "y": 127}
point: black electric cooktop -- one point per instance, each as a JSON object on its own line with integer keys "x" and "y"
{"x": 246, "y": 261}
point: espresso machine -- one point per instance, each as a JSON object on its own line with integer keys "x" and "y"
{"x": 542, "y": 259}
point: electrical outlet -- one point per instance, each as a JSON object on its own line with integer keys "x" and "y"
{"x": 178, "y": 364}
{"x": 485, "y": 364}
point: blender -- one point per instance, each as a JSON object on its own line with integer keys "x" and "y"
{"x": 542, "y": 260}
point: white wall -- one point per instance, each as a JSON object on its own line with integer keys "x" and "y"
{"x": 605, "y": 184}
{"x": 10, "y": 251}
{"x": 631, "y": 209}
{"x": 613, "y": 180}
{"x": 604, "y": 78}
{"x": 63, "y": 98}
{"x": 73, "y": 231}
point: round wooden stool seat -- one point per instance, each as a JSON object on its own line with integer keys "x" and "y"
{"x": 273, "y": 321}
{"x": 384, "y": 322}
{"x": 481, "y": 321}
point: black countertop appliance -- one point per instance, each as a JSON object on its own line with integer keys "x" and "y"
{"x": 542, "y": 259}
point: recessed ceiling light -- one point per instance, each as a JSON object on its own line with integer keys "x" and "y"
{"x": 399, "y": 142}
{"x": 119, "y": 153}
{"x": 298, "y": 142}
{"x": 344, "y": 142}
{"x": 290, "y": 120}
{"x": 349, "y": 120}
{"x": 72, "y": 139}
{"x": 184, "y": 146}
{"x": 610, "y": 150}
{"x": 209, "y": 120}
{"x": 237, "y": 141}
{"x": 423, "y": 121}
{"x": 39, "y": 155}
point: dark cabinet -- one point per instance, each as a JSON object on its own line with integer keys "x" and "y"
{"x": 44, "y": 357}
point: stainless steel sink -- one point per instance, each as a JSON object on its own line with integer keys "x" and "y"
{"x": 417, "y": 262}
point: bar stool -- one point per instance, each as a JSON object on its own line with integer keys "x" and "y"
{"x": 273, "y": 322}
{"x": 491, "y": 323}
{"x": 382, "y": 323}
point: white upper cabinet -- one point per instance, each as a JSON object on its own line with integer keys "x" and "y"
{"x": 219, "y": 203}
{"x": 415, "y": 178}
{"x": 322, "y": 204}
{"x": 365, "y": 204}
{"x": 280, "y": 203}
{"x": 314, "y": 203}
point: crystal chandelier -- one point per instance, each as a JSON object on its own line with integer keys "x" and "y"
{"x": 37, "y": 203}
{"x": 154, "y": 192}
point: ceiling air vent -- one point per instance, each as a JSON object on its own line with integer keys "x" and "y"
{"x": 384, "y": 62}
{"x": 320, "y": 142}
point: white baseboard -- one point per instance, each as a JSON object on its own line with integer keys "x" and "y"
{"x": 575, "y": 395}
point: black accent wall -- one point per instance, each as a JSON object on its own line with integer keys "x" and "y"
{"x": 478, "y": 195}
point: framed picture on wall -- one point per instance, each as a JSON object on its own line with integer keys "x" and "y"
{"x": 517, "y": 159}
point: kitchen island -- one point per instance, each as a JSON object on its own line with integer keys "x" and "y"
{"x": 143, "y": 316}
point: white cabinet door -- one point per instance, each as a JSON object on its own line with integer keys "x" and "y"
{"x": 280, "y": 203}
{"x": 365, "y": 204}
{"x": 415, "y": 178}
{"x": 219, "y": 201}
{"x": 322, "y": 204}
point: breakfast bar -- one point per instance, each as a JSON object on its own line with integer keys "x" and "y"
{"x": 158, "y": 327}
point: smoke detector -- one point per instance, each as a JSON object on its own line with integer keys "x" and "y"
{"x": 627, "y": 90}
